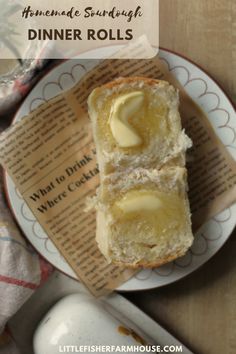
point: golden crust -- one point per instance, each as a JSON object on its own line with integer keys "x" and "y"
{"x": 157, "y": 264}
{"x": 128, "y": 80}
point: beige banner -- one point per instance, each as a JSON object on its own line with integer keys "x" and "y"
{"x": 63, "y": 29}
{"x": 51, "y": 158}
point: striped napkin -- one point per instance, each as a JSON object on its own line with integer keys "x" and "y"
{"x": 22, "y": 270}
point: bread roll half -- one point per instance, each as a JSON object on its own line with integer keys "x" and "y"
{"x": 136, "y": 123}
{"x": 143, "y": 217}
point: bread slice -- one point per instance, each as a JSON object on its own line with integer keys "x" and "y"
{"x": 143, "y": 215}
{"x": 156, "y": 122}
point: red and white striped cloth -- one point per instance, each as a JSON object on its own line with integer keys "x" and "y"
{"x": 22, "y": 270}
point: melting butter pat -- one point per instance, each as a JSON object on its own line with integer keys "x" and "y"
{"x": 135, "y": 201}
{"x": 124, "y": 108}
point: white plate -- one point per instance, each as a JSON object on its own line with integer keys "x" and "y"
{"x": 221, "y": 114}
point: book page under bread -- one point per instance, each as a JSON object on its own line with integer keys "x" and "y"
{"x": 51, "y": 157}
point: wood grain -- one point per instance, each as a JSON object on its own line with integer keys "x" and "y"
{"x": 204, "y": 31}
{"x": 201, "y": 309}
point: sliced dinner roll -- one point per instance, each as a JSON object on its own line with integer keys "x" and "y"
{"x": 143, "y": 215}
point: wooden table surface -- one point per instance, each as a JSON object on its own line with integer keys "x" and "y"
{"x": 201, "y": 309}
